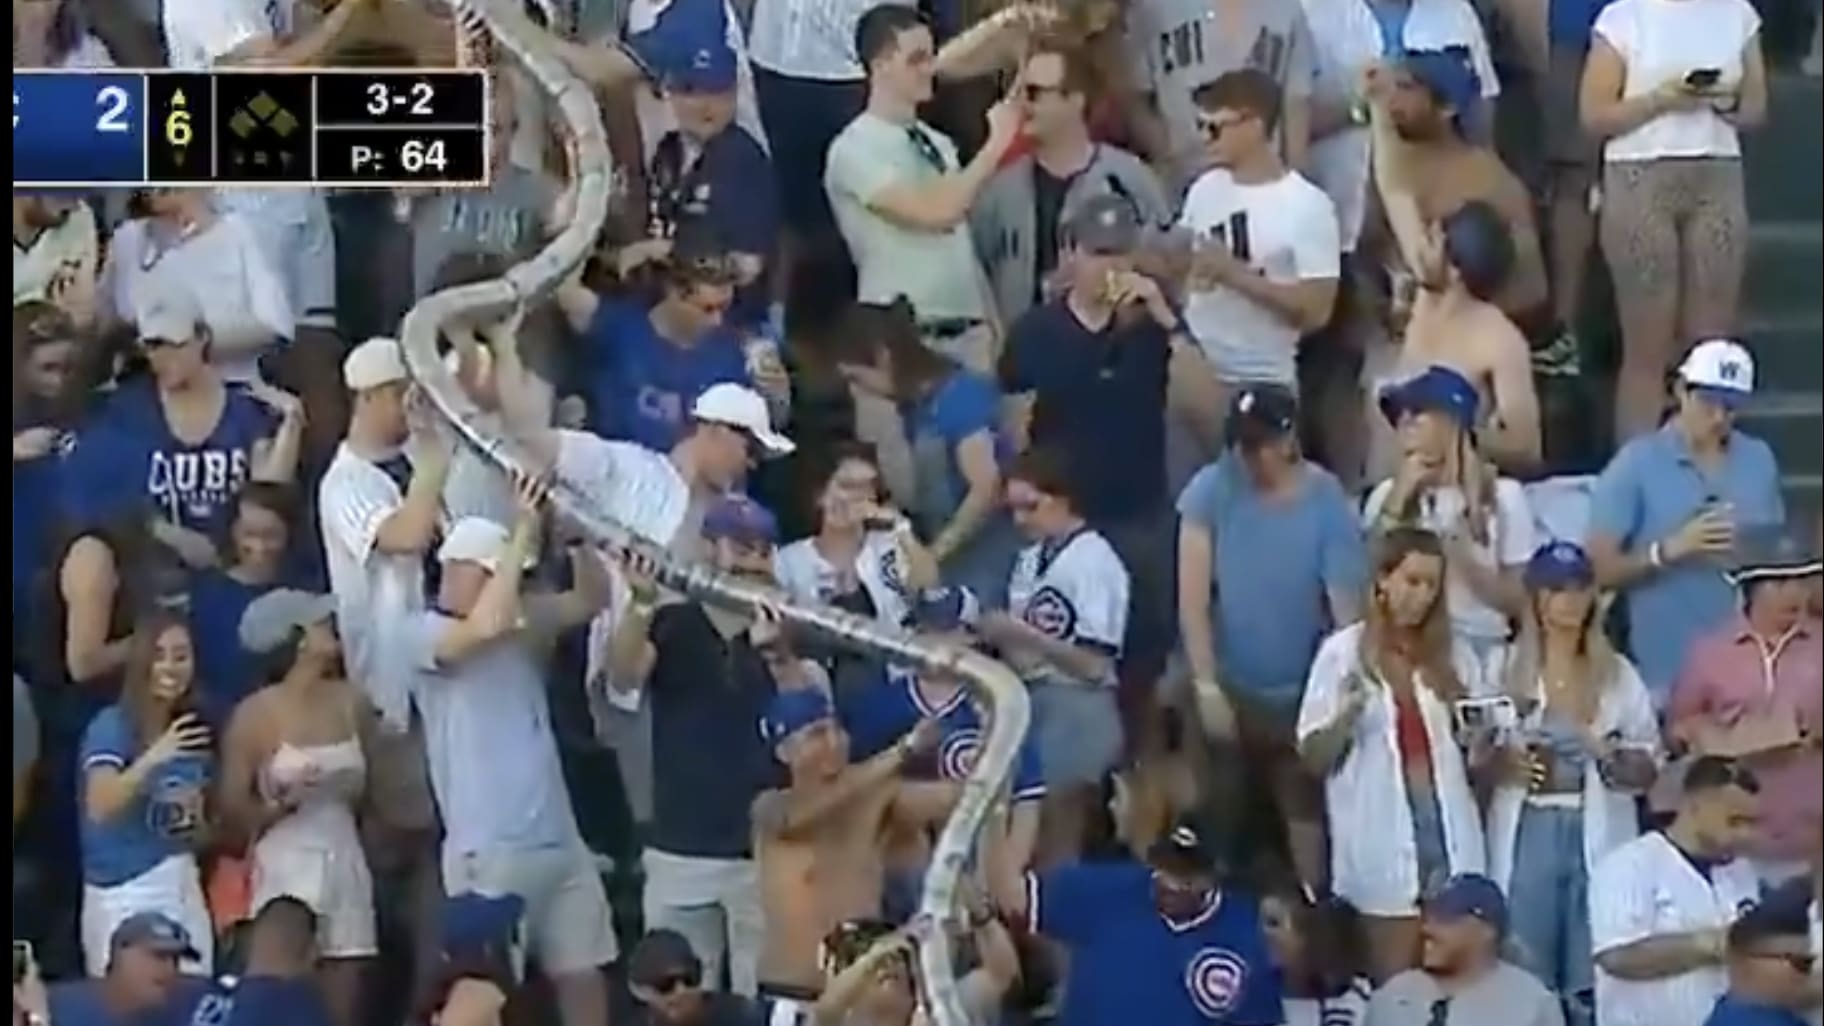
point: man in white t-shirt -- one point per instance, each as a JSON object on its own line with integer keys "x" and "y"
{"x": 1661, "y": 905}
{"x": 1265, "y": 255}
{"x": 478, "y": 684}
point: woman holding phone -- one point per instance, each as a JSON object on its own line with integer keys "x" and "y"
{"x": 145, "y": 764}
{"x": 1669, "y": 85}
{"x": 1376, "y": 725}
{"x": 1587, "y": 744}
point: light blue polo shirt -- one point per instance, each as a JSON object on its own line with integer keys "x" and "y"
{"x": 1647, "y": 492}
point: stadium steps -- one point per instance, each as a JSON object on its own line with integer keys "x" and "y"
{"x": 1783, "y": 294}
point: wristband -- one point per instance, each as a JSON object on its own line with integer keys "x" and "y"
{"x": 1656, "y": 556}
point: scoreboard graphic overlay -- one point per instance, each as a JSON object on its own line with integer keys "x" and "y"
{"x": 349, "y": 128}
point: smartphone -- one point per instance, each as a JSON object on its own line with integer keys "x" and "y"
{"x": 1496, "y": 717}
{"x": 22, "y": 961}
{"x": 1703, "y": 78}
{"x": 1239, "y": 243}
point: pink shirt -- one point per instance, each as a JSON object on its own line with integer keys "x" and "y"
{"x": 1728, "y": 674}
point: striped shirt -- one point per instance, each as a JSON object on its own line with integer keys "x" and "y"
{"x": 1648, "y": 888}
{"x": 375, "y": 591}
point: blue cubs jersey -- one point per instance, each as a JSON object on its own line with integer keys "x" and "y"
{"x": 880, "y": 715}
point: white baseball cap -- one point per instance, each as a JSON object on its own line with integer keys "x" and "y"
{"x": 1721, "y": 369}
{"x": 373, "y": 363}
{"x": 169, "y": 315}
{"x": 741, "y": 407}
{"x": 475, "y": 540}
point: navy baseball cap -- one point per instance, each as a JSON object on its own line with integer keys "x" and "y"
{"x": 944, "y": 609}
{"x": 1437, "y": 389}
{"x": 1183, "y": 847}
{"x": 1260, "y": 414}
{"x": 477, "y": 924}
{"x": 1559, "y": 566}
{"x": 792, "y": 711}
{"x": 154, "y": 932}
{"x": 1450, "y": 76}
{"x": 1104, "y": 224}
{"x": 1470, "y": 896}
{"x": 741, "y": 519}
{"x": 707, "y": 67}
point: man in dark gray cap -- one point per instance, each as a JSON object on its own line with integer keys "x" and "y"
{"x": 1093, "y": 372}
{"x": 142, "y": 979}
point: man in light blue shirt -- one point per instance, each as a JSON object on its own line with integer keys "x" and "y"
{"x": 1667, "y": 510}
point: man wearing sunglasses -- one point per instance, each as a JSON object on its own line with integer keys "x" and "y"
{"x": 1463, "y": 981}
{"x": 1772, "y": 969}
{"x": 666, "y": 979}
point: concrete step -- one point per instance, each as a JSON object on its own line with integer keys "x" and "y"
{"x": 1783, "y": 157}
{"x": 1793, "y": 424}
{"x": 1785, "y": 263}
{"x": 1788, "y": 352}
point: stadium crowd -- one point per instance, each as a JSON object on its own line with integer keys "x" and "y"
{"x": 1195, "y": 358}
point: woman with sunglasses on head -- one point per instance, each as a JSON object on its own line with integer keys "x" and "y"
{"x": 951, "y": 416}
{"x": 257, "y": 542}
{"x": 1587, "y": 745}
{"x": 1376, "y": 723}
{"x": 145, "y": 763}
{"x": 294, "y": 769}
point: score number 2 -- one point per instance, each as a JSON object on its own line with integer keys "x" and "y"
{"x": 113, "y": 103}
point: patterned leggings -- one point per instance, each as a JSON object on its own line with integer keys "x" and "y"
{"x": 1675, "y": 234}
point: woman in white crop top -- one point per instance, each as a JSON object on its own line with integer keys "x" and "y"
{"x": 1668, "y": 86}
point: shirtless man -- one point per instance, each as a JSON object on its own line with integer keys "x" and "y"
{"x": 1460, "y": 264}
{"x": 822, "y": 840}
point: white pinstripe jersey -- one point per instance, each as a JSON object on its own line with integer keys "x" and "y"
{"x": 1648, "y": 888}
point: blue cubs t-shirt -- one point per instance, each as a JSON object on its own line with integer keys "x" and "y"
{"x": 960, "y": 406}
{"x": 1129, "y": 964}
{"x": 162, "y": 817}
{"x": 878, "y": 715}
{"x": 642, "y": 385}
{"x": 129, "y": 456}
{"x": 225, "y": 672}
{"x": 257, "y": 1001}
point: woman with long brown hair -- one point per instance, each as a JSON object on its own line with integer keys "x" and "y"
{"x": 951, "y": 419}
{"x": 145, "y": 765}
{"x": 1376, "y": 724}
{"x": 1587, "y": 744}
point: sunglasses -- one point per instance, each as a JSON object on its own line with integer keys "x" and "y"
{"x": 163, "y": 343}
{"x": 1213, "y": 127}
{"x": 1035, "y": 93}
{"x": 675, "y": 982}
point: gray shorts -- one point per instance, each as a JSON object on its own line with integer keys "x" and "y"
{"x": 1079, "y": 733}
{"x": 569, "y": 927}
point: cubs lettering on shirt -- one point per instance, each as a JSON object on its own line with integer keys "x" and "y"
{"x": 1129, "y": 964}
{"x": 644, "y": 384}
{"x": 165, "y": 813}
{"x": 879, "y": 716}
{"x": 130, "y": 455}
{"x": 1649, "y": 888}
{"x": 1073, "y": 589}
{"x": 879, "y": 568}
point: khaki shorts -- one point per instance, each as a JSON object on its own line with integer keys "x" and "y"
{"x": 569, "y": 927}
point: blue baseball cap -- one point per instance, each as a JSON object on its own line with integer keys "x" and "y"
{"x": 1450, "y": 76}
{"x": 688, "y": 61}
{"x": 741, "y": 519}
{"x": 1559, "y": 566}
{"x": 154, "y": 932}
{"x": 1470, "y": 896}
{"x": 476, "y": 925}
{"x": 1438, "y": 389}
{"x": 944, "y": 609}
{"x": 792, "y": 711}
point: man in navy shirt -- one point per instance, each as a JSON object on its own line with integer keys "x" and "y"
{"x": 1161, "y": 942}
{"x": 710, "y": 171}
{"x": 1772, "y": 979}
{"x": 279, "y": 987}
{"x": 142, "y": 986}
{"x": 1093, "y": 373}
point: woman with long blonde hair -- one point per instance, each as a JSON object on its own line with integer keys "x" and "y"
{"x": 145, "y": 765}
{"x": 1376, "y": 725}
{"x": 1446, "y": 485}
{"x": 1586, "y": 744}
